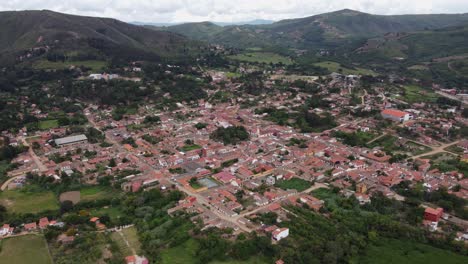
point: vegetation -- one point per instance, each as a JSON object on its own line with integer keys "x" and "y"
{"x": 261, "y": 57}
{"x": 304, "y": 120}
{"x": 294, "y": 183}
{"x": 97, "y": 193}
{"x": 337, "y": 67}
{"x": 25, "y": 249}
{"x": 28, "y": 200}
{"x": 230, "y": 135}
{"x": 392, "y": 251}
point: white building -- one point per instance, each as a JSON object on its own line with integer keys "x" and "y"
{"x": 396, "y": 115}
{"x": 280, "y": 233}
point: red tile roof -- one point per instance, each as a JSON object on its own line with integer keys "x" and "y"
{"x": 394, "y": 112}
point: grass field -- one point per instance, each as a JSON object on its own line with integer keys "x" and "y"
{"x": 93, "y": 64}
{"x": 22, "y": 201}
{"x": 187, "y": 148}
{"x": 252, "y": 260}
{"x": 96, "y": 193}
{"x": 112, "y": 212}
{"x": 261, "y": 57}
{"x": 131, "y": 236}
{"x": 294, "y": 183}
{"x": 24, "y": 250}
{"x": 185, "y": 254}
{"x": 398, "y": 251}
{"x": 336, "y": 67}
{"x": 48, "y": 124}
{"x": 415, "y": 94}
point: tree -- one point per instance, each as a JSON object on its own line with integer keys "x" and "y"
{"x": 112, "y": 163}
{"x": 66, "y": 206}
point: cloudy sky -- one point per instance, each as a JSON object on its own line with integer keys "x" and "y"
{"x": 230, "y": 10}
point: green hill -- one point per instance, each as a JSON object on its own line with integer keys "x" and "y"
{"x": 415, "y": 47}
{"x": 90, "y": 36}
{"x": 198, "y": 31}
{"x": 328, "y": 30}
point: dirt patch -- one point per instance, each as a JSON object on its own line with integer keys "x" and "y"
{"x": 73, "y": 196}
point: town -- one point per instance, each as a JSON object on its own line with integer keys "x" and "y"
{"x": 308, "y": 140}
{"x": 235, "y": 164}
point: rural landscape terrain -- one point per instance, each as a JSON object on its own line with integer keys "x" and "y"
{"x": 335, "y": 138}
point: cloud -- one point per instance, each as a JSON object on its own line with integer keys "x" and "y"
{"x": 229, "y": 10}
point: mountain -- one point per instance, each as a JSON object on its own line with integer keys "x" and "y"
{"x": 416, "y": 47}
{"x": 198, "y": 31}
{"x": 328, "y": 30}
{"x": 88, "y": 36}
{"x": 223, "y": 24}
{"x": 251, "y": 22}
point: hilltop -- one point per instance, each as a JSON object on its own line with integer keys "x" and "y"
{"x": 319, "y": 31}
{"x": 87, "y": 36}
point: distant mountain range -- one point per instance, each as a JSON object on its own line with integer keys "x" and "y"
{"x": 330, "y": 30}
{"x": 351, "y": 32}
{"x": 252, "y": 22}
{"x": 86, "y": 36}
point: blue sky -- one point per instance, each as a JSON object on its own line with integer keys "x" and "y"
{"x": 231, "y": 10}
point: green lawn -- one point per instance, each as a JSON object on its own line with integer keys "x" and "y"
{"x": 252, "y": 260}
{"x": 96, "y": 193}
{"x": 112, "y": 212}
{"x": 183, "y": 254}
{"x": 336, "y": 67}
{"x": 398, "y": 251}
{"x": 294, "y": 183}
{"x": 95, "y": 65}
{"x": 416, "y": 94}
{"x": 187, "y": 148}
{"x": 24, "y": 201}
{"x": 48, "y": 124}
{"x": 24, "y": 250}
{"x": 261, "y": 57}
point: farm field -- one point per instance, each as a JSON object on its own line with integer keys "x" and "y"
{"x": 96, "y": 193}
{"x": 261, "y": 57}
{"x": 24, "y": 250}
{"x": 25, "y": 201}
{"x": 93, "y": 64}
{"x": 398, "y": 251}
{"x": 335, "y": 67}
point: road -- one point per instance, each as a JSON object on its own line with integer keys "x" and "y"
{"x": 453, "y": 97}
{"x": 260, "y": 208}
{"x": 436, "y": 150}
{"x": 377, "y": 138}
{"x": 37, "y": 161}
{"x": 5, "y": 184}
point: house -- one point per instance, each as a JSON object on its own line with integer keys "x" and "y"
{"x": 6, "y": 230}
{"x": 280, "y": 233}
{"x": 43, "y": 223}
{"x": 433, "y": 215}
{"x": 136, "y": 260}
{"x": 396, "y": 115}
{"x": 30, "y": 226}
{"x": 224, "y": 177}
{"x": 65, "y": 239}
